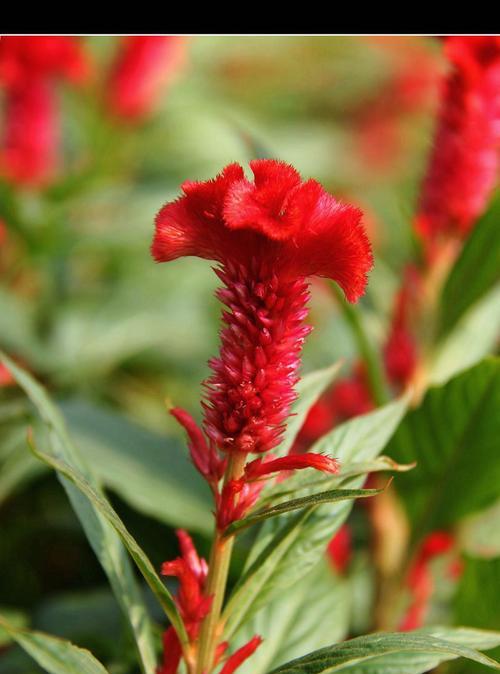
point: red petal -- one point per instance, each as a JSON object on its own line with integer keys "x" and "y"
{"x": 172, "y": 652}
{"x": 259, "y": 468}
{"x": 239, "y": 656}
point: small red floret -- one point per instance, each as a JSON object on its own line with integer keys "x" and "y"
{"x": 242, "y": 654}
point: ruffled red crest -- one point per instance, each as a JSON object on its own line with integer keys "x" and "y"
{"x": 295, "y": 226}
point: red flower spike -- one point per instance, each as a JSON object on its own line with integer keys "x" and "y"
{"x": 268, "y": 236}
{"x": 191, "y": 572}
{"x": 242, "y": 654}
{"x": 400, "y": 356}
{"x": 400, "y": 350}
{"x": 144, "y": 67}
{"x": 172, "y": 652}
{"x": 339, "y": 549}
{"x": 260, "y": 468}
{"x": 29, "y": 68}
{"x": 420, "y": 581}
{"x": 29, "y": 152}
{"x": 464, "y": 164}
{"x": 24, "y": 58}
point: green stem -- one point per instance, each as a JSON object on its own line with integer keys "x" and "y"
{"x": 218, "y": 569}
{"x": 374, "y": 370}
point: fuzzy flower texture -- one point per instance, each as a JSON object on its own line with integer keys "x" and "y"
{"x": 268, "y": 236}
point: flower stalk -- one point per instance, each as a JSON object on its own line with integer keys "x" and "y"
{"x": 220, "y": 558}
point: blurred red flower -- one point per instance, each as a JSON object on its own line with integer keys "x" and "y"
{"x": 144, "y": 67}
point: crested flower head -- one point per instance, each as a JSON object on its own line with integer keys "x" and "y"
{"x": 268, "y": 235}
{"x": 294, "y": 226}
{"x": 464, "y": 163}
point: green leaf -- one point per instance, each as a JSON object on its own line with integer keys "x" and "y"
{"x": 287, "y": 548}
{"x": 15, "y": 618}
{"x": 479, "y": 534}
{"x": 405, "y": 653}
{"x": 149, "y": 471}
{"x": 310, "y": 615}
{"x": 453, "y": 437}
{"x": 56, "y": 656}
{"x": 473, "y": 337}
{"x": 17, "y": 466}
{"x": 311, "y": 501}
{"x": 101, "y": 535}
{"x": 476, "y": 598}
{"x": 137, "y": 554}
{"x": 309, "y": 389}
{"x": 476, "y": 269}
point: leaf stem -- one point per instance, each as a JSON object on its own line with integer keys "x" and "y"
{"x": 376, "y": 379}
{"x": 218, "y": 569}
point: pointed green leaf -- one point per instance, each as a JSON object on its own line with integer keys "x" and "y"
{"x": 453, "y": 437}
{"x": 311, "y": 501}
{"x": 476, "y": 269}
{"x": 137, "y": 554}
{"x": 474, "y": 337}
{"x": 311, "y": 615}
{"x": 405, "y": 653}
{"x": 101, "y": 535}
{"x": 56, "y": 656}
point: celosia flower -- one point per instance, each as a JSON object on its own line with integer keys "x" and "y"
{"x": 193, "y": 605}
{"x": 420, "y": 581}
{"x": 380, "y": 123}
{"x": 268, "y": 235}
{"x": 25, "y": 57}
{"x": 339, "y": 549}
{"x": 464, "y": 163}
{"x": 29, "y": 68}
{"x": 400, "y": 349}
{"x": 31, "y": 133}
{"x": 145, "y": 65}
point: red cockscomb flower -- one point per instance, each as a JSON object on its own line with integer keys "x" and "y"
{"x": 31, "y": 134}
{"x": 400, "y": 349}
{"x": 464, "y": 163}
{"x": 420, "y": 581}
{"x": 145, "y": 65}
{"x": 268, "y": 235}
{"x": 25, "y": 57}
{"x": 193, "y": 605}
{"x": 339, "y": 549}
{"x": 29, "y": 68}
